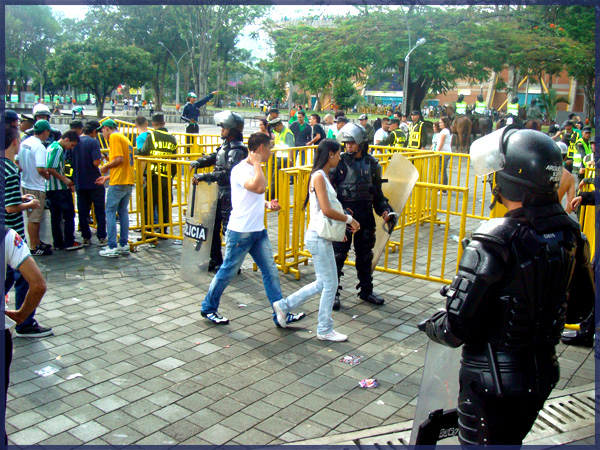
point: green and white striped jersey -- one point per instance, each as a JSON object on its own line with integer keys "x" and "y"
{"x": 55, "y": 159}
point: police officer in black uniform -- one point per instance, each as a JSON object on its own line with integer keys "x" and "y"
{"x": 159, "y": 142}
{"x": 191, "y": 111}
{"x": 231, "y": 152}
{"x": 357, "y": 181}
{"x": 507, "y": 304}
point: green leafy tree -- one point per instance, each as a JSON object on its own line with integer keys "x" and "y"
{"x": 345, "y": 94}
{"x": 550, "y": 102}
{"x": 99, "y": 66}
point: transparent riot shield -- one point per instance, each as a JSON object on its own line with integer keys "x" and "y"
{"x": 198, "y": 232}
{"x": 435, "y": 416}
{"x": 401, "y": 176}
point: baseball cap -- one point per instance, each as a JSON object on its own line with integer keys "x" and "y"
{"x": 415, "y": 112}
{"x": 342, "y": 119}
{"x": 275, "y": 121}
{"x": 274, "y": 110}
{"x": 587, "y": 130}
{"x": 108, "y": 123}
{"x": 568, "y": 122}
{"x": 395, "y": 120}
{"x": 10, "y": 115}
{"x": 42, "y": 125}
{"x": 363, "y": 117}
{"x": 191, "y": 94}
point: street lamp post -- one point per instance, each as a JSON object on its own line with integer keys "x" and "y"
{"x": 177, "y": 61}
{"x": 406, "y": 67}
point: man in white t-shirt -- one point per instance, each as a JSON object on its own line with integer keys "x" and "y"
{"x": 382, "y": 134}
{"x": 32, "y": 161}
{"x": 246, "y": 232}
{"x": 17, "y": 256}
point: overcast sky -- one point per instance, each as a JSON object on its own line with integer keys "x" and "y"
{"x": 260, "y": 49}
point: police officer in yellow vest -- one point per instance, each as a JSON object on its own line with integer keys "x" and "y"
{"x": 460, "y": 107}
{"x": 396, "y": 137}
{"x": 513, "y": 107}
{"x": 284, "y": 138}
{"x": 417, "y": 133}
{"x": 480, "y": 106}
{"x": 159, "y": 142}
{"x": 569, "y": 137}
{"x": 582, "y": 149}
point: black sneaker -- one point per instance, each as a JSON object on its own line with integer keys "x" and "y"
{"x": 45, "y": 246}
{"x": 291, "y": 318}
{"x": 215, "y": 318}
{"x": 35, "y": 331}
{"x": 39, "y": 251}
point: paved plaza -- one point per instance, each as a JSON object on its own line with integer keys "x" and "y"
{"x": 134, "y": 362}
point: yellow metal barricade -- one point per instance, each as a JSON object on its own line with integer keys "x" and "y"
{"x": 587, "y": 214}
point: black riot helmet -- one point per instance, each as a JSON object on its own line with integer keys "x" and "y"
{"x": 479, "y": 97}
{"x": 527, "y": 163}
{"x": 461, "y": 97}
{"x": 231, "y": 121}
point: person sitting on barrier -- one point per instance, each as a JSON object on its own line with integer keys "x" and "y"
{"x": 507, "y": 304}
{"x": 357, "y": 180}
{"x": 191, "y": 111}
{"x": 159, "y": 142}
{"x": 231, "y": 152}
{"x": 327, "y": 156}
{"x": 247, "y": 233}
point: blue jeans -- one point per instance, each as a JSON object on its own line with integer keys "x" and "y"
{"x": 14, "y": 278}
{"x": 238, "y": 246}
{"x": 326, "y": 282}
{"x": 117, "y": 201}
{"x": 85, "y": 199}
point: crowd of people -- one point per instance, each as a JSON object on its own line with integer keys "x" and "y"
{"x": 344, "y": 192}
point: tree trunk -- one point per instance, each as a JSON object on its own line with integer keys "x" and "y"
{"x": 589, "y": 102}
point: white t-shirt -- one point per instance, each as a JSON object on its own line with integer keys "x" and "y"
{"x": 380, "y": 135}
{"x": 447, "y": 147}
{"x": 248, "y": 213}
{"x": 15, "y": 253}
{"x": 31, "y": 156}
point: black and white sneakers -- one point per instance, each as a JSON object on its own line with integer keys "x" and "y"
{"x": 215, "y": 318}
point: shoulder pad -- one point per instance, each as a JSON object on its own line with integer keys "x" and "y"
{"x": 234, "y": 145}
{"x": 497, "y": 231}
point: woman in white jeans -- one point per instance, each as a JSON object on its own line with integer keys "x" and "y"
{"x": 326, "y": 157}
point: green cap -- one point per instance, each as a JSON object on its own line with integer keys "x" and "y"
{"x": 41, "y": 126}
{"x": 191, "y": 94}
{"x": 395, "y": 120}
{"x": 108, "y": 123}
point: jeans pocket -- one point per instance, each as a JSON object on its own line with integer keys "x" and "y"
{"x": 313, "y": 246}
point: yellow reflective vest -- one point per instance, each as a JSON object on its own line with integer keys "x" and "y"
{"x": 414, "y": 136}
{"x": 577, "y": 158}
{"x": 480, "y": 107}
{"x": 280, "y": 137}
{"x": 461, "y": 108}
{"x": 513, "y": 108}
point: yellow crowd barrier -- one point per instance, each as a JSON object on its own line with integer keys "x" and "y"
{"x": 587, "y": 214}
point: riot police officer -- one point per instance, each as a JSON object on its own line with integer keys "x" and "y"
{"x": 231, "y": 152}
{"x": 460, "y": 107}
{"x": 357, "y": 181}
{"x": 534, "y": 111}
{"x": 480, "y": 106}
{"x": 507, "y": 304}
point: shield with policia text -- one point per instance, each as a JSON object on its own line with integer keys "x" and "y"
{"x": 401, "y": 176}
{"x": 436, "y": 418}
{"x": 198, "y": 232}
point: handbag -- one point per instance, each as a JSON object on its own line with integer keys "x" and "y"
{"x": 330, "y": 229}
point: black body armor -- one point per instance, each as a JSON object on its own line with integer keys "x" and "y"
{"x": 508, "y": 305}
{"x": 229, "y": 155}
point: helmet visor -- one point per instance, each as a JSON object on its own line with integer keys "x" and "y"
{"x": 225, "y": 119}
{"x": 350, "y": 133}
{"x": 487, "y": 155}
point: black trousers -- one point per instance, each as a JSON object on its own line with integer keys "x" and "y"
{"x": 164, "y": 184}
{"x": 62, "y": 208}
{"x": 485, "y": 419}
{"x": 85, "y": 199}
{"x": 191, "y": 128}
{"x": 221, "y": 222}
{"x": 364, "y": 241}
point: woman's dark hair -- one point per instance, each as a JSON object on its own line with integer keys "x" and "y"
{"x": 446, "y": 121}
{"x": 325, "y": 147}
{"x": 265, "y": 123}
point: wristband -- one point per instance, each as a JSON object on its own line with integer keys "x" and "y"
{"x": 349, "y": 219}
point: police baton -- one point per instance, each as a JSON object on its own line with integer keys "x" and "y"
{"x": 193, "y": 195}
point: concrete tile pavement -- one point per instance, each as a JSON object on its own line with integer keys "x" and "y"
{"x": 137, "y": 364}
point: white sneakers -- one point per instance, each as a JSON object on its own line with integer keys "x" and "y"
{"x": 114, "y": 252}
{"x": 281, "y": 316}
{"x": 334, "y": 336}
